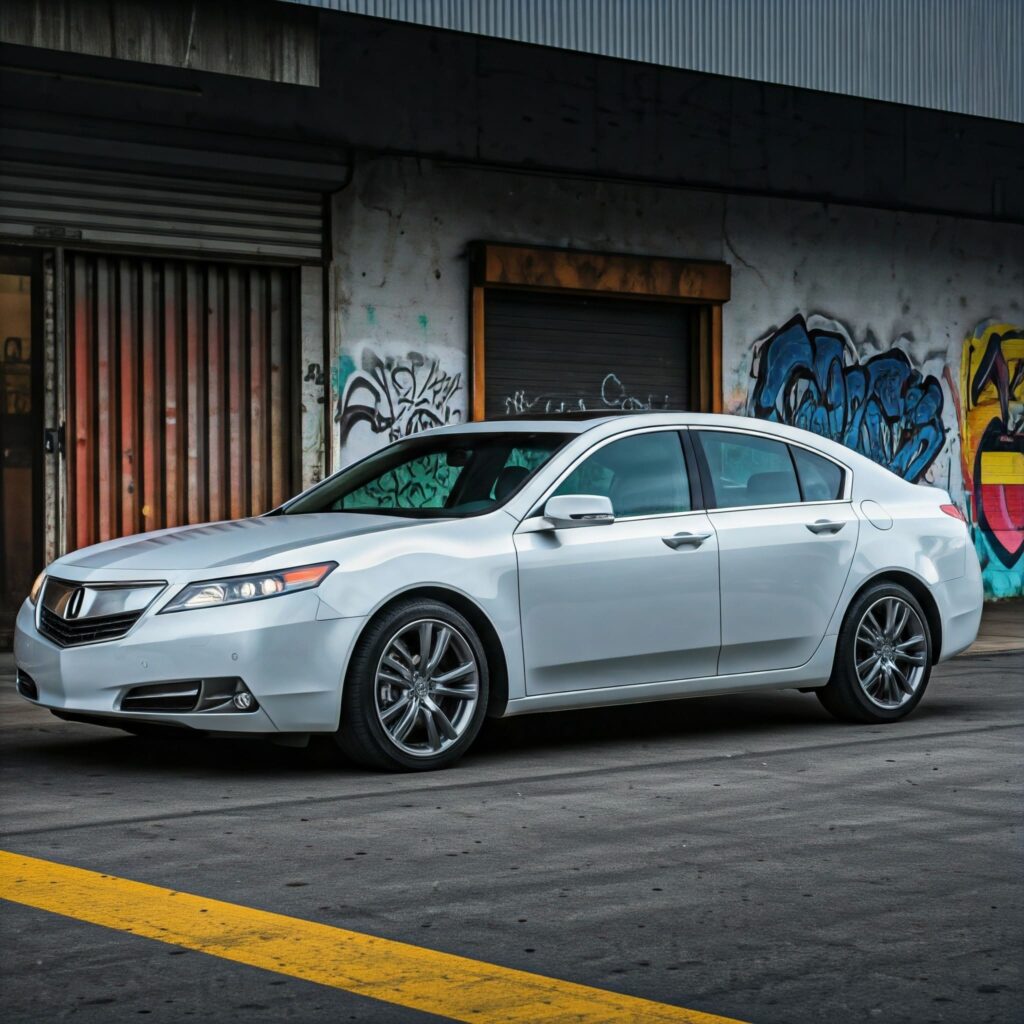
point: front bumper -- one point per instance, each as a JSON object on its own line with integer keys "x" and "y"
{"x": 291, "y": 652}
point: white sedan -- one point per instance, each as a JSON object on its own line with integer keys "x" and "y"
{"x": 504, "y": 568}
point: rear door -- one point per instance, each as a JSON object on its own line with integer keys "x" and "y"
{"x": 786, "y": 538}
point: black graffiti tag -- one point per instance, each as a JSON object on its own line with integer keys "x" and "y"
{"x": 399, "y": 397}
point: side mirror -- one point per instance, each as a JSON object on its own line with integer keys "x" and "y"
{"x": 567, "y": 511}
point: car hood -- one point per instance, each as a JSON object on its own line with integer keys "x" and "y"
{"x": 229, "y": 543}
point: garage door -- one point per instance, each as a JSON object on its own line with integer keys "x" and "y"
{"x": 554, "y": 353}
{"x": 180, "y": 405}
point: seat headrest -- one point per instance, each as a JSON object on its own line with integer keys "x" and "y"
{"x": 771, "y": 488}
{"x": 508, "y": 480}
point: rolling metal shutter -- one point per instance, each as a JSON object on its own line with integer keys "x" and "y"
{"x": 552, "y": 353}
{"x": 180, "y": 398}
{"x": 131, "y": 212}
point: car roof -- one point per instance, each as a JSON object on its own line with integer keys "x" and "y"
{"x": 607, "y": 425}
{"x": 578, "y": 422}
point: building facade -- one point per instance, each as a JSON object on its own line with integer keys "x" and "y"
{"x": 898, "y": 334}
{"x": 227, "y": 270}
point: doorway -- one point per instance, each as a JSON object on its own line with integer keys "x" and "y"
{"x": 21, "y": 432}
{"x": 555, "y": 330}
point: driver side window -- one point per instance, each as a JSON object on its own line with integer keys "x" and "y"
{"x": 642, "y": 475}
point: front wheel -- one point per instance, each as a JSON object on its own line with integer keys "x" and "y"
{"x": 883, "y": 657}
{"x": 416, "y": 692}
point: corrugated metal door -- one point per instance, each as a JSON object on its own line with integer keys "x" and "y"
{"x": 552, "y": 353}
{"x": 180, "y": 403}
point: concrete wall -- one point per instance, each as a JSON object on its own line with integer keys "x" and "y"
{"x": 851, "y": 321}
{"x": 872, "y": 328}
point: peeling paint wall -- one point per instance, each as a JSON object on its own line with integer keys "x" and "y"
{"x": 853, "y": 323}
{"x": 400, "y": 328}
{"x": 313, "y": 385}
{"x": 851, "y": 320}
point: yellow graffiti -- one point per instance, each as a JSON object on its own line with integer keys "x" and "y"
{"x": 1002, "y": 467}
{"x": 990, "y": 409}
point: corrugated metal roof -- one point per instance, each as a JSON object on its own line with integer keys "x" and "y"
{"x": 957, "y": 55}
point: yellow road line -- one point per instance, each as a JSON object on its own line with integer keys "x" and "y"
{"x": 395, "y": 972}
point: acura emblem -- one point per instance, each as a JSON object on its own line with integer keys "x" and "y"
{"x": 74, "y": 605}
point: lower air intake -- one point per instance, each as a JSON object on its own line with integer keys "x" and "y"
{"x": 162, "y": 697}
{"x": 26, "y": 686}
{"x": 202, "y": 695}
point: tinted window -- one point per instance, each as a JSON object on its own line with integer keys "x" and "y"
{"x": 820, "y": 479}
{"x": 447, "y": 476}
{"x": 749, "y": 470}
{"x": 643, "y": 475}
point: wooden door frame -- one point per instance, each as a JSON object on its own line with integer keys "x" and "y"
{"x": 702, "y": 283}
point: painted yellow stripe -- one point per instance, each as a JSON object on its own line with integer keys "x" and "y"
{"x": 395, "y": 972}
{"x": 1002, "y": 468}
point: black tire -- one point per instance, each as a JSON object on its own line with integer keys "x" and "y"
{"x": 361, "y": 735}
{"x": 845, "y": 696}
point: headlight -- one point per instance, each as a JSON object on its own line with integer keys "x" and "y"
{"x": 242, "y": 589}
{"x": 33, "y": 594}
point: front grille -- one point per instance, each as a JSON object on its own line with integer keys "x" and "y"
{"x": 26, "y": 685}
{"x": 73, "y": 632}
{"x": 162, "y": 697}
{"x": 72, "y": 614}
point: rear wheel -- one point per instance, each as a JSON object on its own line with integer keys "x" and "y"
{"x": 416, "y": 692}
{"x": 883, "y": 657}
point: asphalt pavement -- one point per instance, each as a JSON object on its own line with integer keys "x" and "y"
{"x": 744, "y": 856}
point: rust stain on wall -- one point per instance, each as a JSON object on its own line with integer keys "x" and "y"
{"x": 607, "y": 273}
{"x": 180, "y": 404}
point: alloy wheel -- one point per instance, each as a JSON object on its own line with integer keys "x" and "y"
{"x": 890, "y": 652}
{"x": 426, "y": 687}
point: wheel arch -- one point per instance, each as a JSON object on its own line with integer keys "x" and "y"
{"x": 497, "y": 665}
{"x": 920, "y": 590}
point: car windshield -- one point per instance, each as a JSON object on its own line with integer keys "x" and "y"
{"x": 451, "y": 475}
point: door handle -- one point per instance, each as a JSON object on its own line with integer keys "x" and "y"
{"x": 685, "y": 540}
{"x": 825, "y": 526}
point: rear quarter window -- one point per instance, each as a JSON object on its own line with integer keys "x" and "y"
{"x": 820, "y": 478}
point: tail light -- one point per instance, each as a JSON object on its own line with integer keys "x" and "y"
{"x": 954, "y": 511}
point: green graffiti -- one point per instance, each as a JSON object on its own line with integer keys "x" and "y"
{"x": 371, "y": 314}
{"x": 342, "y": 369}
{"x": 423, "y": 322}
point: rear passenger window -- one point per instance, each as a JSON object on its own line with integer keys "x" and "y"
{"x": 820, "y": 479}
{"x": 749, "y": 470}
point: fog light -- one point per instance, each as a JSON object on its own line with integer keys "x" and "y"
{"x": 244, "y": 701}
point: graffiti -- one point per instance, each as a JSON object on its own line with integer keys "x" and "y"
{"x": 613, "y": 396}
{"x": 882, "y": 407}
{"x": 341, "y": 369}
{"x": 314, "y": 375}
{"x": 399, "y": 397}
{"x": 990, "y": 410}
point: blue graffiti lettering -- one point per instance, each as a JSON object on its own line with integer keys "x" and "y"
{"x": 882, "y": 407}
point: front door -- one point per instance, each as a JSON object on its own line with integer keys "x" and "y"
{"x": 614, "y": 605}
{"x": 786, "y": 540}
{"x": 21, "y": 434}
